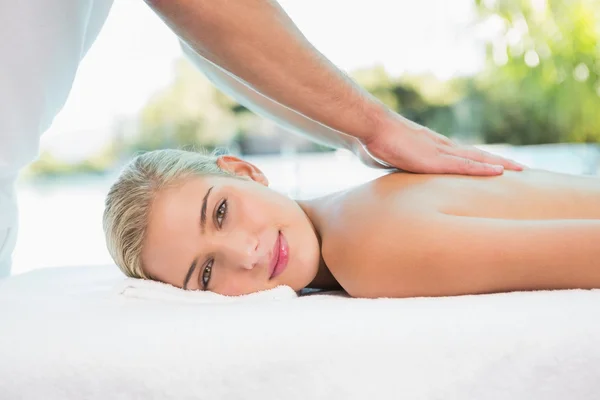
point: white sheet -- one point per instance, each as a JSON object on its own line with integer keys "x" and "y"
{"x": 67, "y": 333}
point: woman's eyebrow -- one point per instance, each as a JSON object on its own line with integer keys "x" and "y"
{"x": 202, "y": 228}
{"x": 203, "y": 212}
{"x": 189, "y": 273}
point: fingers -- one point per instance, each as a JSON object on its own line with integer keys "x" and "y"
{"x": 472, "y": 153}
{"x": 481, "y": 156}
{"x": 439, "y": 138}
{"x": 450, "y": 164}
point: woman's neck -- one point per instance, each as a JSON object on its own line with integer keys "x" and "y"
{"x": 316, "y": 211}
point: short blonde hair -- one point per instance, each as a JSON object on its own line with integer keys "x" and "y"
{"x": 130, "y": 199}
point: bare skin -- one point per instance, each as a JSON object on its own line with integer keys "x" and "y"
{"x": 407, "y": 235}
{"x": 402, "y": 235}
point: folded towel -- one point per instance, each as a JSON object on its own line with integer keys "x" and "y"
{"x": 152, "y": 290}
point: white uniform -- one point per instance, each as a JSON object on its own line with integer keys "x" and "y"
{"x": 41, "y": 45}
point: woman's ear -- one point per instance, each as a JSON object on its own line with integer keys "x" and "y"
{"x": 241, "y": 168}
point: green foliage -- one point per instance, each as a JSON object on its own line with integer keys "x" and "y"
{"x": 189, "y": 112}
{"x": 541, "y": 83}
{"x": 49, "y": 166}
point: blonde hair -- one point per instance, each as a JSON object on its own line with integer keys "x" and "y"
{"x": 129, "y": 200}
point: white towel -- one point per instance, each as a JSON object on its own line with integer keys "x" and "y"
{"x": 152, "y": 290}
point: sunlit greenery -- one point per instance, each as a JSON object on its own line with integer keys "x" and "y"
{"x": 541, "y": 83}
{"x": 49, "y": 166}
{"x": 189, "y": 112}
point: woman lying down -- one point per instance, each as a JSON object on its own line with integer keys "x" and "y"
{"x": 212, "y": 223}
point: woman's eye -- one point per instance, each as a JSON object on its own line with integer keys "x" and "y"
{"x": 206, "y": 273}
{"x": 221, "y": 213}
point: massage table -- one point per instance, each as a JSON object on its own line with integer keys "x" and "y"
{"x": 90, "y": 333}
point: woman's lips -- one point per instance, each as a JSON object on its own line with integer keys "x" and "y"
{"x": 281, "y": 255}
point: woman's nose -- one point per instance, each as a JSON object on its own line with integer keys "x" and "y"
{"x": 240, "y": 250}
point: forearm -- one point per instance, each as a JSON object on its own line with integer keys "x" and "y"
{"x": 256, "y": 41}
{"x": 282, "y": 115}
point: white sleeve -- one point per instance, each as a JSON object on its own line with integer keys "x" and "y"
{"x": 41, "y": 45}
{"x": 8, "y": 239}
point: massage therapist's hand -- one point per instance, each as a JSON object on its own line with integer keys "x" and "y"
{"x": 414, "y": 148}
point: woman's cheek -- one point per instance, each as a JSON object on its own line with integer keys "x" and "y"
{"x": 236, "y": 287}
{"x": 254, "y": 213}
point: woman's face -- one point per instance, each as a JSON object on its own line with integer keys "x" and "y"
{"x": 230, "y": 236}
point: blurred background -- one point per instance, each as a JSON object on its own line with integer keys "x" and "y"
{"x": 516, "y": 77}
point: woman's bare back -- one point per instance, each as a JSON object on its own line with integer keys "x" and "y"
{"x": 402, "y": 219}
{"x": 531, "y": 194}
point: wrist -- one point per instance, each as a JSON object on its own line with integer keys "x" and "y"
{"x": 383, "y": 121}
{"x": 388, "y": 122}
{"x": 368, "y": 148}
{"x": 389, "y": 137}
{"x": 379, "y": 118}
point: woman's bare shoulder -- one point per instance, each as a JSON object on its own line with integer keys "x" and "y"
{"x": 392, "y": 197}
{"x": 370, "y": 220}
